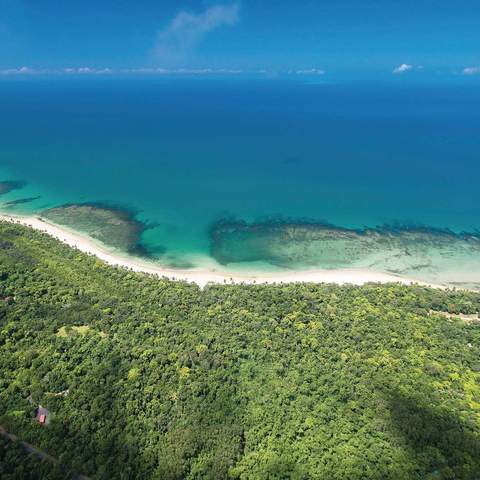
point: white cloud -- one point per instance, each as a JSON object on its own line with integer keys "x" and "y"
{"x": 186, "y": 30}
{"x": 404, "y": 67}
{"x": 311, "y": 71}
{"x": 86, "y": 71}
{"x": 182, "y": 71}
{"x": 471, "y": 71}
{"x": 104, "y": 71}
{"x": 130, "y": 71}
{"x": 19, "y": 71}
{"x": 142, "y": 70}
{"x": 62, "y": 71}
{"x": 206, "y": 71}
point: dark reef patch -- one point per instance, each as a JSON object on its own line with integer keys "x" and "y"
{"x": 294, "y": 243}
{"x": 20, "y": 201}
{"x": 157, "y": 250}
{"x": 179, "y": 264}
{"x": 7, "y": 186}
{"x": 114, "y": 226}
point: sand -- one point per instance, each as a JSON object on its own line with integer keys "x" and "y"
{"x": 204, "y": 276}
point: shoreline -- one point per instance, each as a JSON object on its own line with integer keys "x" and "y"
{"x": 203, "y": 276}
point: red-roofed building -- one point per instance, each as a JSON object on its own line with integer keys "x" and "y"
{"x": 42, "y": 415}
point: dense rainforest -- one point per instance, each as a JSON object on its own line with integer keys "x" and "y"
{"x": 146, "y": 378}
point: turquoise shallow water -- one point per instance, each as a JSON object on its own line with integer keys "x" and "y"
{"x": 185, "y": 153}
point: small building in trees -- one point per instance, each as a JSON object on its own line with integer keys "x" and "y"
{"x": 42, "y": 415}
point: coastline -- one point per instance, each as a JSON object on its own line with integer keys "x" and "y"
{"x": 203, "y": 276}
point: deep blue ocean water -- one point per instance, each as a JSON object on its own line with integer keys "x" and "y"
{"x": 185, "y": 152}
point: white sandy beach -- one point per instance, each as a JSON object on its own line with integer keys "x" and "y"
{"x": 203, "y": 276}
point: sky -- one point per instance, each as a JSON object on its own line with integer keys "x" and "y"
{"x": 350, "y": 38}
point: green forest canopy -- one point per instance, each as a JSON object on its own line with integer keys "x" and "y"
{"x": 155, "y": 379}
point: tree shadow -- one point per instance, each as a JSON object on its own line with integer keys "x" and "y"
{"x": 440, "y": 443}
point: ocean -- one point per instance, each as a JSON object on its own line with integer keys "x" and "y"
{"x": 185, "y": 155}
